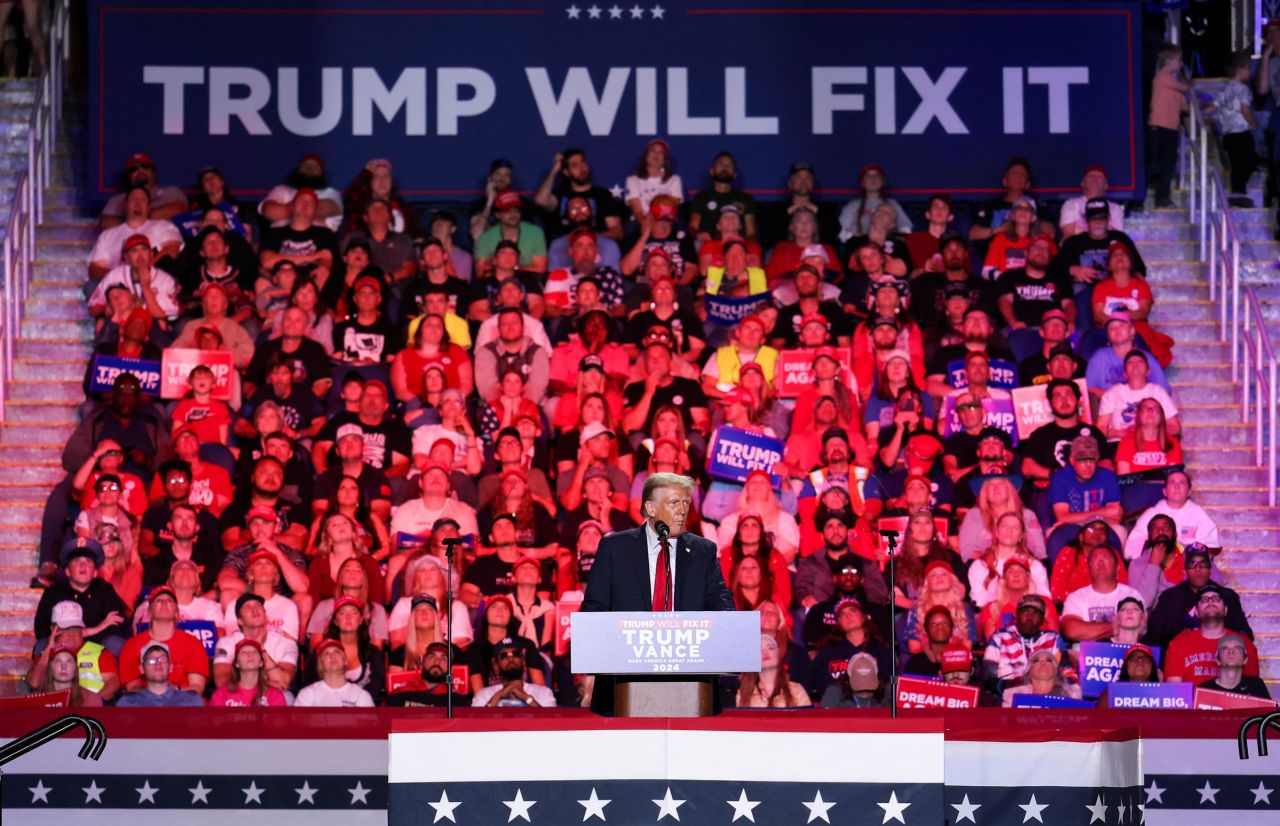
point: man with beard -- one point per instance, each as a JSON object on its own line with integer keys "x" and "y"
{"x": 309, "y": 174}
{"x": 513, "y": 691}
{"x": 995, "y": 458}
{"x": 512, "y": 349}
{"x": 1026, "y": 293}
{"x": 373, "y": 483}
{"x": 310, "y": 246}
{"x": 157, "y": 530}
{"x": 308, "y": 359}
{"x": 265, "y": 484}
{"x": 1009, "y": 651}
{"x": 1161, "y": 562}
{"x": 808, "y": 286}
{"x": 813, "y": 581}
{"x": 706, "y": 205}
{"x": 387, "y": 443}
{"x": 579, "y": 214}
{"x": 1083, "y": 256}
{"x": 978, "y": 337}
{"x": 238, "y": 262}
{"x": 1093, "y": 187}
{"x": 109, "y": 249}
{"x": 435, "y": 685}
{"x": 1054, "y": 342}
{"x": 1045, "y": 451}
{"x": 930, "y": 288}
{"x": 658, "y": 230}
{"x": 140, "y": 171}
{"x": 435, "y": 271}
{"x": 1175, "y": 611}
{"x": 509, "y": 226}
{"x": 853, "y": 578}
{"x": 504, "y": 266}
{"x": 182, "y": 539}
{"x": 775, "y": 216}
{"x": 584, "y": 262}
{"x": 569, "y": 194}
{"x": 1192, "y": 654}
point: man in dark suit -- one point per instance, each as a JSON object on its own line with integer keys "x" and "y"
{"x": 635, "y": 570}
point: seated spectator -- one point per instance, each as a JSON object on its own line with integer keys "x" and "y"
{"x": 885, "y": 333}
{"x": 750, "y": 583}
{"x": 309, "y": 174}
{"x": 218, "y": 254}
{"x": 104, "y": 614}
{"x": 925, "y": 245}
{"x": 338, "y": 542}
{"x": 1028, "y": 291}
{"x": 852, "y": 634}
{"x": 1056, "y": 358}
{"x": 1161, "y": 563}
{"x": 427, "y": 579}
{"x": 438, "y": 684}
{"x": 332, "y": 689}
{"x": 941, "y": 298}
{"x": 1072, "y": 218}
{"x": 230, "y": 334}
{"x": 1175, "y": 610}
{"x": 996, "y": 460}
{"x": 1191, "y": 655}
{"x": 157, "y": 686}
{"x": 1117, "y": 410}
{"x": 996, "y": 498}
{"x": 975, "y": 334}
{"x": 154, "y": 289}
{"x": 802, "y": 235}
{"x": 390, "y": 250}
{"x": 497, "y": 627}
{"x": 1043, "y": 677}
{"x": 366, "y": 661}
{"x": 183, "y": 652}
{"x": 1082, "y": 493}
{"x": 1010, "y": 245}
{"x": 760, "y": 499}
{"x": 661, "y": 386}
{"x": 957, "y": 669}
{"x": 376, "y": 182}
{"x": 1233, "y": 658}
{"x": 212, "y": 192}
{"x": 139, "y": 171}
{"x": 1145, "y": 455}
{"x": 1106, "y": 365}
{"x": 569, "y": 182}
{"x": 772, "y": 686}
{"x": 1014, "y": 583}
{"x": 159, "y": 541}
{"x": 93, "y": 667}
{"x": 316, "y": 322}
{"x": 561, "y": 288}
{"x": 512, "y": 689}
{"x": 881, "y": 240}
{"x": 1130, "y": 622}
{"x": 654, "y": 176}
{"x": 420, "y": 632}
{"x": 121, "y": 566}
{"x": 387, "y": 442}
{"x": 961, "y": 447}
{"x": 109, "y": 250}
{"x": 1044, "y": 452}
{"x": 1009, "y": 648}
{"x": 432, "y": 347}
{"x": 728, "y": 226}
{"x": 938, "y": 629}
{"x": 798, "y": 197}
{"x": 62, "y": 673}
{"x": 992, "y": 217}
{"x": 941, "y": 587}
{"x": 1087, "y": 612}
{"x": 1010, "y": 542}
{"x": 248, "y": 686}
{"x": 266, "y": 567}
{"x": 859, "y": 687}
{"x": 310, "y": 246}
{"x": 184, "y": 579}
{"x": 443, "y": 226}
{"x": 896, "y": 400}
{"x": 1194, "y": 523}
{"x": 1071, "y": 570}
{"x": 529, "y": 240}
{"x": 920, "y": 547}
{"x": 855, "y": 218}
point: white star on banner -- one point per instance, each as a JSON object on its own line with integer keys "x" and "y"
{"x": 1124, "y": 810}
{"x": 593, "y": 806}
{"x": 306, "y": 794}
{"x": 359, "y": 793}
{"x": 615, "y": 13}
{"x": 444, "y": 807}
{"x": 573, "y": 12}
{"x": 1155, "y": 793}
{"x": 519, "y": 807}
{"x": 253, "y": 793}
{"x": 594, "y": 12}
{"x": 667, "y": 805}
{"x": 657, "y": 12}
{"x": 146, "y": 793}
{"x": 93, "y": 792}
{"x": 966, "y": 810}
{"x": 743, "y": 807}
{"x": 616, "y": 191}
{"x": 1032, "y": 809}
{"x": 199, "y": 793}
{"x": 40, "y": 792}
{"x": 637, "y": 13}
{"x": 1208, "y": 794}
{"x": 818, "y": 808}
{"x": 893, "y": 809}
{"x": 1261, "y": 794}
{"x": 1098, "y": 810}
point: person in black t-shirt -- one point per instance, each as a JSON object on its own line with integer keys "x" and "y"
{"x": 929, "y": 291}
{"x": 808, "y": 284}
{"x": 705, "y": 207}
{"x": 365, "y": 338}
{"x": 660, "y": 387}
{"x": 1054, "y": 329}
{"x": 310, "y": 362}
{"x": 978, "y": 336}
{"x": 569, "y": 178}
{"x": 775, "y": 216}
{"x": 1027, "y": 293}
{"x": 506, "y": 258}
{"x": 310, "y": 246}
{"x": 387, "y": 442}
{"x": 435, "y": 272}
{"x": 1046, "y": 449}
{"x": 301, "y": 412}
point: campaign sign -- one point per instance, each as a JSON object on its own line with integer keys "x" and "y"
{"x": 1031, "y": 407}
{"x": 1151, "y": 695}
{"x": 565, "y": 609}
{"x": 981, "y": 82}
{"x": 107, "y": 368}
{"x": 794, "y": 372}
{"x": 43, "y": 699}
{"x": 1004, "y": 374}
{"x": 995, "y": 413}
{"x": 175, "y": 368}
{"x": 1100, "y": 664}
{"x": 642, "y": 642}
{"x": 725, "y": 311}
{"x": 1208, "y": 699}
{"x": 913, "y": 693}
{"x": 734, "y": 453}
{"x": 203, "y": 630}
{"x": 1048, "y": 701}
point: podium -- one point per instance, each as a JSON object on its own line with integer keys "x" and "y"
{"x": 663, "y": 664}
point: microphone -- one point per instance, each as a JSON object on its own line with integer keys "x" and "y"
{"x": 662, "y": 529}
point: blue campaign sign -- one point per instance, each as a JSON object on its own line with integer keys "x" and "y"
{"x": 734, "y": 453}
{"x": 1151, "y": 695}
{"x": 724, "y": 311}
{"x": 106, "y": 368}
{"x": 441, "y": 88}
{"x": 203, "y": 630}
{"x": 1003, "y": 374}
{"x": 1048, "y": 701}
{"x": 996, "y": 413}
{"x": 1100, "y": 664}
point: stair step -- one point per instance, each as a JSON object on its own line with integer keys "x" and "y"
{"x": 1236, "y": 495}
{"x": 62, "y": 270}
{"x": 64, "y": 392}
{"x": 53, "y": 349}
{"x": 1222, "y": 433}
{"x": 36, "y": 433}
{"x": 1159, "y": 271}
{"x": 62, "y": 250}
{"x": 1257, "y": 559}
{"x": 1253, "y": 579}
{"x": 15, "y": 664}
{"x": 1239, "y": 516}
{"x": 1260, "y": 250}
{"x": 20, "y": 535}
{"x": 69, "y": 370}
{"x": 1193, "y": 412}
{"x": 14, "y": 575}
{"x": 59, "y": 330}
{"x": 44, "y": 308}
{"x": 65, "y": 214}
{"x": 83, "y": 232}
{"x": 1144, "y": 234}
{"x": 33, "y": 453}
{"x": 1192, "y": 370}
{"x": 32, "y": 474}
{"x": 19, "y": 599}
{"x": 1180, "y": 290}
{"x": 57, "y": 291}
{"x": 1210, "y": 456}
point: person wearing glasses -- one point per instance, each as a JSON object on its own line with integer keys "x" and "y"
{"x": 1175, "y": 610}
{"x": 513, "y": 691}
{"x": 157, "y": 691}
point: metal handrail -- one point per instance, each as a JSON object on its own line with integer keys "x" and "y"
{"x": 1239, "y": 315}
{"x": 27, "y": 209}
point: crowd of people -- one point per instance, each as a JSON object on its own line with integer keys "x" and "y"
{"x": 374, "y": 382}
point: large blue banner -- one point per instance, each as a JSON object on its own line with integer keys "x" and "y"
{"x": 941, "y": 94}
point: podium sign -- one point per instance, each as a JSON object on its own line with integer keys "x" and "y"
{"x": 644, "y": 642}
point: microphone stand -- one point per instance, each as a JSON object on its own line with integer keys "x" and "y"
{"x": 449, "y": 545}
{"x": 664, "y": 537}
{"x": 891, "y": 539}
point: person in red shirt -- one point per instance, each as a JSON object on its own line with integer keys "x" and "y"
{"x": 1149, "y": 446}
{"x": 210, "y": 484}
{"x": 1192, "y": 656}
{"x": 190, "y": 661}
{"x": 210, "y": 418}
{"x": 108, "y": 458}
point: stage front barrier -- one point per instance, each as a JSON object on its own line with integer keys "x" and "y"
{"x": 662, "y": 664}
{"x": 319, "y": 767}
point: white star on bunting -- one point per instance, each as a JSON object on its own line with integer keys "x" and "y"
{"x": 1032, "y": 809}
{"x": 200, "y": 793}
{"x": 146, "y": 793}
{"x": 1261, "y": 794}
{"x": 306, "y": 794}
{"x": 593, "y": 806}
{"x": 1098, "y": 811}
{"x": 594, "y": 12}
{"x": 1155, "y": 793}
{"x": 743, "y": 807}
{"x": 893, "y": 809}
{"x": 667, "y": 805}
{"x": 818, "y": 809}
{"x": 359, "y": 793}
{"x": 573, "y": 12}
{"x": 519, "y": 807}
{"x": 1208, "y": 794}
{"x": 40, "y": 791}
{"x": 444, "y": 807}
{"x": 966, "y": 810}
{"x": 93, "y": 792}
{"x": 657, "y": 12}
{"x": 637, "y": 13}
{"x": 253, "y": 793}
{"x": 615, "y": 13}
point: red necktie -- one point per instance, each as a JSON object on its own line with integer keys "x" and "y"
{"x": 660, "y": 579}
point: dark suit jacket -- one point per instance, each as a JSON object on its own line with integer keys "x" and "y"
{"x": 620, "y": 582}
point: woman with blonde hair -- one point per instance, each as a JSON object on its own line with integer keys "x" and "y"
{"x": 1010, "y": 543}
{"x": 941, "y": 587}
{"x": 758, "y": 497}
{"x": 998, "y": 496}
{"x": 339, "y": 541}
{"x": 428, "y": 580}
{"x": 1011, "y": 586}
{"x": 771, "y": 686}
{"x": 920, "y": 547}
{"x": 1043, "y": 677}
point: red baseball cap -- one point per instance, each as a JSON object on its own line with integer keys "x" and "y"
{"x": 344, "y": 601}
{"x": 136, "y": 240}
{"x": 311, "y": 156}
{"x": 160, "y": 591}
{"x": 211, "y": 330}
{"x": 1096, "y": 168}
{"x": 956, "y": 657}
{"x": 527, "y": 560}
{"x": 326, "y": 644}
{"x": 507, "y": 199}
{"x": 247, "y": 641}
{"x": 754, "y": 319}
{"x": 138, "y": 158}
{"x": 260, "y": 512}
{"x": 938, "y": 564}
{"x": 367, "y": 281}
{"x": 738, "y": 395}
{"x": 262, "y": 553}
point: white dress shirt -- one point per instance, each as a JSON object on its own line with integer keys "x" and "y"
{"x": 655, "y": 547}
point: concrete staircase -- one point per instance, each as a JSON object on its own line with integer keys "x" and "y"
{"x": 1217, "y": 446}
{"x": 49, "y": 364}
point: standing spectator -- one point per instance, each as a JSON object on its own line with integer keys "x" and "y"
{"x": 1234, "y": 107}
{"x": 332, "y": 690}
{"x": 1168, "y": 102}
{"x": 156, "y": 689}
{"x": 1192, "y": 654}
